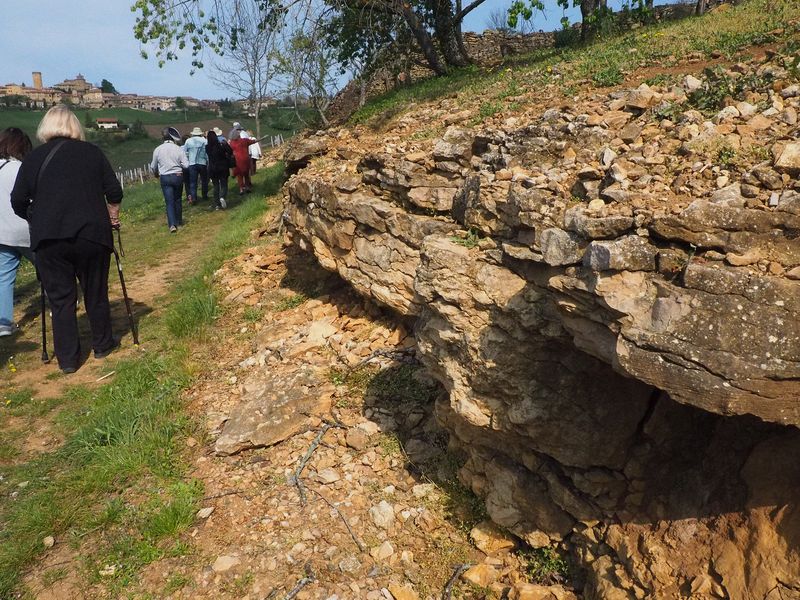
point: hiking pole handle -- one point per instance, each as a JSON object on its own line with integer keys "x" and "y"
{"x": 116, "y": 227}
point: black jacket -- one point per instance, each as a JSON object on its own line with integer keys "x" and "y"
{"x": 71, "y": 199}
{"x": 219, "y": 156}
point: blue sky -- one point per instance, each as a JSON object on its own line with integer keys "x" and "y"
{"x": 62, "y": 38}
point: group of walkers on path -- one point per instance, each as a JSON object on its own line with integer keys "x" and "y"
{"x": 59, "y": 204}
{"x": 203, "y": 157}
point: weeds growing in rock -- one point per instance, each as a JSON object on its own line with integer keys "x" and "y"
{"x": 251, "y": 314}
{"x": 469, "y": 239}
{"x": 291, "y": 302}
{"x": 400, "y": 384}
{"x": 719, "y": 86}
{"x": 544, "y": 566}
{"x": 726, "y": 156}
{"x": 669, "y": 110}
{"x": 488, "y": 109}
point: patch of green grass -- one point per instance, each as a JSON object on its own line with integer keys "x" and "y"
{"x": 129, "y": 431}
{"x": 607, "y": 76}
{"x": 16, "y": 398}
{"x": 147, "y": 533}
{"x": 290, "y": 302}
{"x": 393, "y": 102}
{"x": 175, "y": 583}
{"x": 8, "y": 446}
{"x": 52, "y": 576}
{"x": 489, "y": 109}
{"x": 726, "y": 156}
{"x": 197, "y": 309}
{"x": 252, "y": 314}
{"x": 662, "y": 79}
{"x": 239, "y": 585}
{"x": 22, "y": 403}
{"x": 474, "y": 592}
{"x": 389, "y": 445}
{"x": 462, "y": 506}
{"x": 356, "y": 380}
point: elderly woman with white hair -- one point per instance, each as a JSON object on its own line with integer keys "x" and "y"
{"x": 70, "y": 196}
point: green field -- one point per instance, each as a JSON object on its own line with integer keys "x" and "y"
{"x": 28, "y": 120}
{"x": 135, "y": 152}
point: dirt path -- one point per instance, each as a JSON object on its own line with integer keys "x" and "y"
{"x": 26, "y": 373}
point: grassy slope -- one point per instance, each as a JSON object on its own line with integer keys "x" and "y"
{"x": 120, "y": 476}
{"x": 722, "y": 33}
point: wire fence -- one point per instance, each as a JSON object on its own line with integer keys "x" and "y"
{"x": 134, "y": 176}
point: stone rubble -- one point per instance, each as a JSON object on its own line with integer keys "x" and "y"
{"x": 253, "y": 537}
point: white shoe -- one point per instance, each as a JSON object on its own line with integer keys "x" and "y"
{"x": 7, "y": 330}
{"x": 222, "y": 203}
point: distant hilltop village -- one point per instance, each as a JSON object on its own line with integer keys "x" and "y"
{"x": 80, "y": 92}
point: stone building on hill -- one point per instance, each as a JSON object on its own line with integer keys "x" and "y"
{"x": 79, "y": 92}
{"x": 78, "y": 85}
{"x": 35, "y": 97}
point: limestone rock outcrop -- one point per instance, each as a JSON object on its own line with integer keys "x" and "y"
{"x": 615, "y": 320}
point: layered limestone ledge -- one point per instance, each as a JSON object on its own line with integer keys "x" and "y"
{"x": 622, "y": 371}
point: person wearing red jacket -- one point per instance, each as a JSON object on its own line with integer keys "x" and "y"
{"x": 242, "y": 169}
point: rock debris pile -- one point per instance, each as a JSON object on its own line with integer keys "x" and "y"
{"x": 325, "y": 394}
{"x": 608, "y": 291}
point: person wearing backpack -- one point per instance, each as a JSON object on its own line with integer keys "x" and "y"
{"x": 15, "y": 239}
{"x": 220, "y": 160}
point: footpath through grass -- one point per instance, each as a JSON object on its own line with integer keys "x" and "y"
{"x": 116, "y": 494}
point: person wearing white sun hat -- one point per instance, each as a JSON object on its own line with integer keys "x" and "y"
{"x": 195, "y": 149}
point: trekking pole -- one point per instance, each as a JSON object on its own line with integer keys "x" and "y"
{"x": 45, "y": 357}
{"x": 134, "y": 333}
{"x": 119, "y": 242}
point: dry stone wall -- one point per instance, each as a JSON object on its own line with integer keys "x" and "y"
{"x": 613, "y": 314}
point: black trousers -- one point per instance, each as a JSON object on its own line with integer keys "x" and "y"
{"x": 60, "y": 262}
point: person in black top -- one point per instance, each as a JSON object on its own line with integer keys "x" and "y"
{"x": 70, "y": 196}
{"x": 219, "y": 158}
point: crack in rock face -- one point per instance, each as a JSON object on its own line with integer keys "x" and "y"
{"x": 617, "y": 332}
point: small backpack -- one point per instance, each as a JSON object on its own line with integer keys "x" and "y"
{"x": 229, "y": 154}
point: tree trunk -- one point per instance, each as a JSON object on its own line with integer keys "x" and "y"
{"x": 701, "y": 7}
{"x": 258, "y": 118}
{"x": 587, "y": 9}
{"x": 448, "y": 34}
{"x": 362, "y": 92}
{"x": 423, "y": 38}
